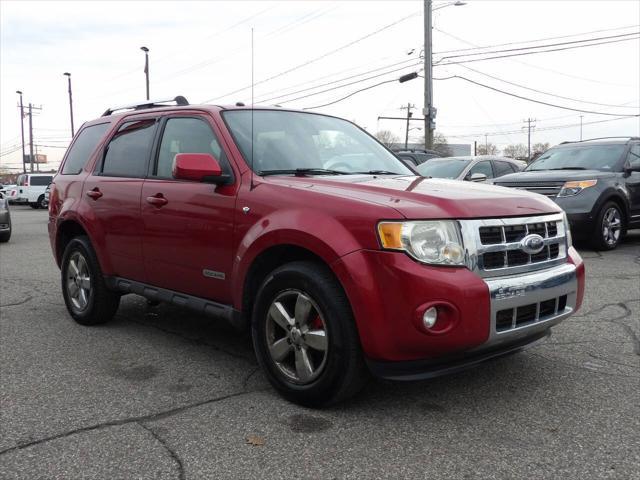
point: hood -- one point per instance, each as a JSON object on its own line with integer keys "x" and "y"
{"x": 426, "y": 198}
{"x": 552, "y": 176}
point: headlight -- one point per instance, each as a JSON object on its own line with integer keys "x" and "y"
{"x": 574, "y": 188}
{"x": 436, "y": 242}
{"x": 567, "y": 230}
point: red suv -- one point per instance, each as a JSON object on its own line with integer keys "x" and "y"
{"x": 308, "y": 231}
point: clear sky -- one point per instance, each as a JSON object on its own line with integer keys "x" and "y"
{"x": 202, "y": 50}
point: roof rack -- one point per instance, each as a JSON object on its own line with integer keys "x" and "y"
{"x": 599, "y": 138}
{"x": 179, "y": 100}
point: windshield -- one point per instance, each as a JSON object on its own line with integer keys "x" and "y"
{"x": 442, "y": 167}
{"x": 587, "y": 157}
{"x": 285, "y": 141}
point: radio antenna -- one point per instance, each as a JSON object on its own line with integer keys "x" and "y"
{"x": 251, "y": 181}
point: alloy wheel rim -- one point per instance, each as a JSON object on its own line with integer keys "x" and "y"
{"x": 297, "y": 338}
{"x": 611, "y": 226}
{"x": 78, "y": 281}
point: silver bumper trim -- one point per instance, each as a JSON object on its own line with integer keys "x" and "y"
{"x": 531, "y": 289}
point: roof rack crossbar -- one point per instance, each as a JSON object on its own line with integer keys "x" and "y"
{"x": 179, "y": 100}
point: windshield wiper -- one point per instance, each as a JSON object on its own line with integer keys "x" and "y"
{"x": 376, "y": 172}
{"x": 302, "y": 172}
{"x": 568, "y": 168}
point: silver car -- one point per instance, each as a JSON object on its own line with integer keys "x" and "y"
{"x": 478, "y": 168}
{"x": 5, "y": 219}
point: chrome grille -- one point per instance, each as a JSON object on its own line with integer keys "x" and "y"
{"x": 550, "y": 189}
{"x": 510, "y": 318}
{"x": 495, "y": 244}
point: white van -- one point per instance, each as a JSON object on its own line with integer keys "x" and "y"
{"x": 30, "y": 189}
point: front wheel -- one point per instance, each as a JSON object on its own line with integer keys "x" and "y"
{"x": 85, "y": 293}
{"x": 42, "y": 202}
{"x": 305, "y": 337}
{"x": 609, "y": 227}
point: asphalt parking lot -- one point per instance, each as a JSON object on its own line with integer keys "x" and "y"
{"x": 162, "y": 394}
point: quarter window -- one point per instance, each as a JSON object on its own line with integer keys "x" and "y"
{"x": 83, "y": 147}
{"x": 633, "y": 158}
{"x": 128, "y": 150}
{"x": 187, "y": 135}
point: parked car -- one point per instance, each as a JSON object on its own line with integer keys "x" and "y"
{"x": 340, "y": 261}
{"x": 30, "y": 189}
{"x": 5, "y": 219}
{"x": 5, "y": 189}
{"x": 416, "y": 157}
{"x": 597, "y": 182}
{"x": 472, "y": 168}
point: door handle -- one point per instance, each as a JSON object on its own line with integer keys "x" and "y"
{"x": 157, "y": 200}
{"x": 95, "y": 193}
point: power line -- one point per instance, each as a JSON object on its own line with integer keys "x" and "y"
{"x": 536, "y": 40}
{"x": 352, "y": 83}
{"x": 313, "y": 60}
{"x": 336, "y": 81}
{"x": 573, "y": 42}
{"x": 538, "y": 67}
{"x": 540, "y": 91}
{"x": 536, "y": 101}
{"x": 352, "y": 94}
{"x": 533, "y": 53}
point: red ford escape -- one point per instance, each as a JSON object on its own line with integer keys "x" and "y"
{"x": 306, "y": 230}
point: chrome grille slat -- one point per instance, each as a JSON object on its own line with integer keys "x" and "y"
{"x": 490, "y": 257}
{"x": 550, "y": 189}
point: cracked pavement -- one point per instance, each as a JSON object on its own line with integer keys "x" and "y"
{"x": 164, "y": 394}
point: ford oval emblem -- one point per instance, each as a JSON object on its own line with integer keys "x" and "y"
{"x": 532, "y": 244}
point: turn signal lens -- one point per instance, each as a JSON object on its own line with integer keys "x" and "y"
{"x": 391, "y": 235}
{"x": 573, "y": 188}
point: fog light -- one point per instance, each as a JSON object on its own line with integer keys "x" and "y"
{"x": 430, "y": 317}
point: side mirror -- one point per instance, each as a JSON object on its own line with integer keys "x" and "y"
{"x": 632, "y": 167}
{"x": 198, "y": 167}
{"x": 476, "y": 177}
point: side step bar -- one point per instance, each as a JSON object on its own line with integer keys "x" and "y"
{"x": 197, "y": 304}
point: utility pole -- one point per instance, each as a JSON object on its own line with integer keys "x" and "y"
{"x": 428, "y": 111}
{"x": 529, "y": 121}
{"x": 409, "y": 115}
{"x": 31, "y": 109}
{"x": 486, "y": 144}
{"x": 31, "y": 136}
{"x": 24, "y": 164}
{"x": 68, "y": 75}
{"x": 475, "y": 148}
{"x": 581, "y": 127}
{"x": 146, "y": 67}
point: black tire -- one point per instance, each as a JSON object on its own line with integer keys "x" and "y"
{"x": 42, "y": 203}
{"x": 101, "y": 303}
{"x": 342, "y": 372}
{"x": 604, "y": 237}
{"x": 5, "y": 236}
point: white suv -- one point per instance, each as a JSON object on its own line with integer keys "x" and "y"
{"x": 30, "y": 189}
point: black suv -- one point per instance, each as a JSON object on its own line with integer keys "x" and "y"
{"x": 596, "y": 182}
{"x": 416, "y": 157}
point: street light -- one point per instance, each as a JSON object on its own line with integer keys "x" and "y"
{"x": 24, "y": 165}
{"x": 68, "y": 75}
{"x": 430, "y": 112}
{"x": 146, "y": 67}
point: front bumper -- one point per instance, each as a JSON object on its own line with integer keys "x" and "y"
{"x": 388, "y": 292}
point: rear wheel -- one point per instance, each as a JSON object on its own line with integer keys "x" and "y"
{"x": 609, "y": 227}
{"x": 85, "y": 293}
{"x": 305, "y": 337}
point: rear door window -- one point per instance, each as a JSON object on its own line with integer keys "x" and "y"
{"x": 40, "y": 180}
{"x": 503, "y": 168}
{"x": 128, "y": 151}
{"x": 633, "y": 158}
{"x": 83, "y": 147}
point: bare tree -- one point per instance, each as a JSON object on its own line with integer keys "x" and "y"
{"x": 489, "y": 149}
{"x": 539, "y": 147}
{"x": 518, "y": 150}
{"x": 440, "y": 144}
{"x": 387, "y": 138}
